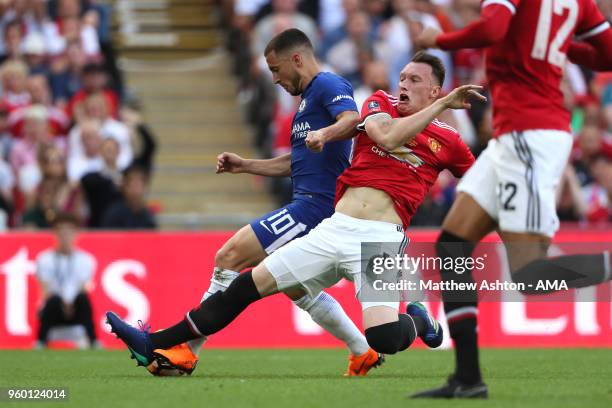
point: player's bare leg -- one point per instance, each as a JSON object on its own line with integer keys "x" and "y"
{"x": 243, "y": 250}
{"x": 468, "y": 220}
{"x": 466, "y": 224}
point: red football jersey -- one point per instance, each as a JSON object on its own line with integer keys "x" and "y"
{"x": 406, "y": 173}
{"x": 526, "y": 67}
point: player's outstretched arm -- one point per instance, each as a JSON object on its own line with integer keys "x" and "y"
{"x": 490, "y": 28}
{"x": 392, "y": 133}
{"x": 595, "y": 53}
{"x": 344, "y": 128}
{"x": 232, "y": 163}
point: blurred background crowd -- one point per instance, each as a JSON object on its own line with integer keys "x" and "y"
{"x": 72, "y": 141}
{"x": 368, "y": 42}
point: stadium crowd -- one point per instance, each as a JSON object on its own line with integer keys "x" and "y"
{"x": 368, "y": 42}
{"x": 67, "y": 128}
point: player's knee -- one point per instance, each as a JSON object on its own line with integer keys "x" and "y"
{"x": 228, "y": 256}
{"x": 384, "y": 338}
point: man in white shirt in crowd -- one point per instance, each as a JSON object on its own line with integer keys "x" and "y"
{"x": 64, "y": 273}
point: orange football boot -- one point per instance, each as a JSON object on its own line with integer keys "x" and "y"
{"x": 360, "y": 365}
{"x": 177, "y": 360}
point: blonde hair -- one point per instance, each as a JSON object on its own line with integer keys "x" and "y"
{"x": 14, "y": 67}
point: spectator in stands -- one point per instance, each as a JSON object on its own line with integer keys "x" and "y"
{"x": 338, "y": 33}
{"x": 602, "y": 173}
{"x": 94, "y": 80}
{"x": 131, "y": 212}
{"x": 7, "y": 182}
{"x": 13, "y": 40}
{"x": 95, "y": 108}
{"x": 42, "y": 212}
{"x": 606, "y": 102}
{"x": 589, "y": 145}
{"x": 71, "y": 26}
{"x": 398, "y": 35}
{"x": 34, "y": 54}
{"x": 87, "y": 158}
{"x": 64, "y": 273}
{"x": 377, "y": 12}
{"x": 52, "y": 171}
{"x": 6, "y": 138}
{"x": 374, "y": 78}
{"x": 102, "y": 188}
{"x": 14, "y": 74}
{"x": 38, "y": 88}
{"x": 24, "y": 152}
{"x": 264, "y": 30}
{"x": 348, "y": 57}
{"x": 65, "y": 77}
{"x": 131, "y": 116}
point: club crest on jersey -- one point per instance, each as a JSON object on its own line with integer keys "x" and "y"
{"x": 373, "y": 106}
{"x": 434, "y": 145}
{"x": 302, "y": 105}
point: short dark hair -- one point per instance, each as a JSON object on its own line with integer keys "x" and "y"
{"x": 65, "y": 218}
{"x": 437, "y": 67}
{"x": 137, "y": 169}
{"x": 287, "y": 40}
{"x": 93, "y": 68}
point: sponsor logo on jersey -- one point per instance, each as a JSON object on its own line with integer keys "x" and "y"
{"x": 300, "y": 130}
{"x": 340, "y": 97}
{"x": 401, "y": 154}
{"x": 302, "y": 105}
{"x": 373, "y": 106}
{"x": 434, "y": 145}
{"x": 406, "y": 155}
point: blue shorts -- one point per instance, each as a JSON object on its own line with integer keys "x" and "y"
{"x": 294, "y": 220}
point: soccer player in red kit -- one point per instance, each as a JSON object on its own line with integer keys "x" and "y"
{"x": 511, "y": 187}
{"x": 398, "y": 154}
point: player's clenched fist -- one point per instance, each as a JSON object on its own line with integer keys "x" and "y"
{"x": 427, "y": 38}
{"x": 315, "y": 141}
{"x": 229, "y": 163}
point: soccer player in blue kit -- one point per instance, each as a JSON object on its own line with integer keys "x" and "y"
{"x": 327, "y": 116}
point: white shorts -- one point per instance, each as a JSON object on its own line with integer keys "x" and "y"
{"x": 332, "y": 251}
{"x": 515, "y": 178}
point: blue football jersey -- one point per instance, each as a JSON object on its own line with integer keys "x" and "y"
{"x": 325, "y": 97}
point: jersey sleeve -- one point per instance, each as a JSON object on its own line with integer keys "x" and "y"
{"x": 337, "y": 96}
{"x": 375, "y": 105}
{"x": 511, "y": 5}
{"x": 591, "y": 22}
{"x": 461, "y": 159}
{"x": 490, "y": 28}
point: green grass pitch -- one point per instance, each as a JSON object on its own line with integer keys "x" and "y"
{"x": 311, "y": 378}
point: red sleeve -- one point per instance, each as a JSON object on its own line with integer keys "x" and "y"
{"x": 593, "y": 50}
{"x": 461, "y": 159}
{"x": 492, "y": 27}
{"x": 590, "y": 19}
{"x": 377, "y": 103}
{"x": 595, "y": 53}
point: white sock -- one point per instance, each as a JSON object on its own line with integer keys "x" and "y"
{"x": 219, "y": 282}
{"x": 328, "y": 314}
